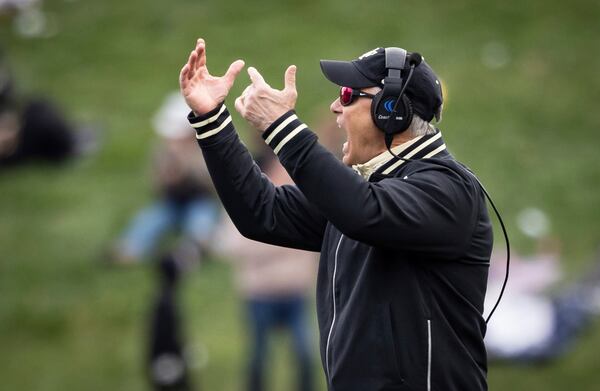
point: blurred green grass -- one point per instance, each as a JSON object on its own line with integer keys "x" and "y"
{"x": 528, "y": 128}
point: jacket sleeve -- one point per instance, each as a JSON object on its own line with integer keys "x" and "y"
{"x": 261, "y": 211}
{"x": 432, "y": 211}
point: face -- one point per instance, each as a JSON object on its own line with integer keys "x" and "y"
{"x": 363, "y": 140}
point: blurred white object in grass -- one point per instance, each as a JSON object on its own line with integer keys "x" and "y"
{"x": 506, "y": 336}
{"x": 33, "y": 22}
{"x": 168, "y": 369}
{"x": 533, "y": 222}
{"x": 495, "y": 55}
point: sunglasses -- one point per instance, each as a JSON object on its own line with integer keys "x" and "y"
{"x": 347, "y": 95}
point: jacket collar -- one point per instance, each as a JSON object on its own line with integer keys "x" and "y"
{"x": 422, "y": 147}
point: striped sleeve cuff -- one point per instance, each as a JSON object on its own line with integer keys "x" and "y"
{"x": 211, "y": 123}
{"x": 281, "y": 132}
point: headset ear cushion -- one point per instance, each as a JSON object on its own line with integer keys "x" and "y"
{"x": 408, "y": 114}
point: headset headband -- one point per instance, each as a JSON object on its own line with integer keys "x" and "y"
{"x": 395, "y": 58}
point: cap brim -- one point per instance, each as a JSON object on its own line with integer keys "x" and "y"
{"x": 345, "y": 74}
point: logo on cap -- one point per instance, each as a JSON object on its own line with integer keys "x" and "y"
{"x": 369, "y": 54}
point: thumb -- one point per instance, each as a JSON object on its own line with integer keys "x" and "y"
{"x": 234, "y": 70}
{"x": 256, "y": 77}
{"x": 290, "y": 78}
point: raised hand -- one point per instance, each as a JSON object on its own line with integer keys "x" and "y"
{"x": 261, "y": 105}
{"x": 202, "y": 91}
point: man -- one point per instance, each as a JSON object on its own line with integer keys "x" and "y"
{"x": 404, "y": 246}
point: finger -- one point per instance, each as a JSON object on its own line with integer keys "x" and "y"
{"x": 256, "y": 77}
{"x": 201, "y": 52}
{"x": 234, "y": 69}
{"x": 290, "y": 78}
{"x": 239, "y": 105}
{"x": 183, "y": 74}
{"x": 192, "y": 60}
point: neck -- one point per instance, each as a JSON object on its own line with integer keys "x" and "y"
{"x": 401, "y": 139}
{"x": 398, "y": 139}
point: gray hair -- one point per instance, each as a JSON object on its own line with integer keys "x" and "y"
{"x": 420, "y": 127}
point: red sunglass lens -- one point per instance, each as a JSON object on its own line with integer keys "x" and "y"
{"x": 345, "y": 96}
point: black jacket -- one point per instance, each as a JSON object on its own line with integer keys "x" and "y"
{"x": 404, "y": 254}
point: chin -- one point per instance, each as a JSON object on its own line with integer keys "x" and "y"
{"x": 349, "y": 160}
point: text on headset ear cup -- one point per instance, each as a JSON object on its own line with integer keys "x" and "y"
{"x": 381, "y": 107}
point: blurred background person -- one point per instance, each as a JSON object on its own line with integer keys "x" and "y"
{"x": 34, "y": 129}
{"x": 274, "y": 283}
{"x": 536, "y": 321}
{"x": 168, "y": 367}
{"x": 184, "y": 200}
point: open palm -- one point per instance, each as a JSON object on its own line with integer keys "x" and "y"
{"x": 202, "y": 91}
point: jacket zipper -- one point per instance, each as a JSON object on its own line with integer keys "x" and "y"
{"x": 334, "y": 311}
{"x": 429, "y": 351}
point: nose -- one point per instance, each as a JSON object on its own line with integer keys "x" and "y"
{"x": 336, "y": 106}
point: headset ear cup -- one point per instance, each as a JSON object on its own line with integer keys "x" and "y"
{"x": 378, "y": 111}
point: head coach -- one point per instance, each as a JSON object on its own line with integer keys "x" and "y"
{"x": 402, "y": 227}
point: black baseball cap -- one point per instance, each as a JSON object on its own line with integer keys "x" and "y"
{"x": 368, "y": 70}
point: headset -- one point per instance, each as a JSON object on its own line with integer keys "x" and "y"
{"x": 392, "y": 113}
{"x": 391, "y": 110}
